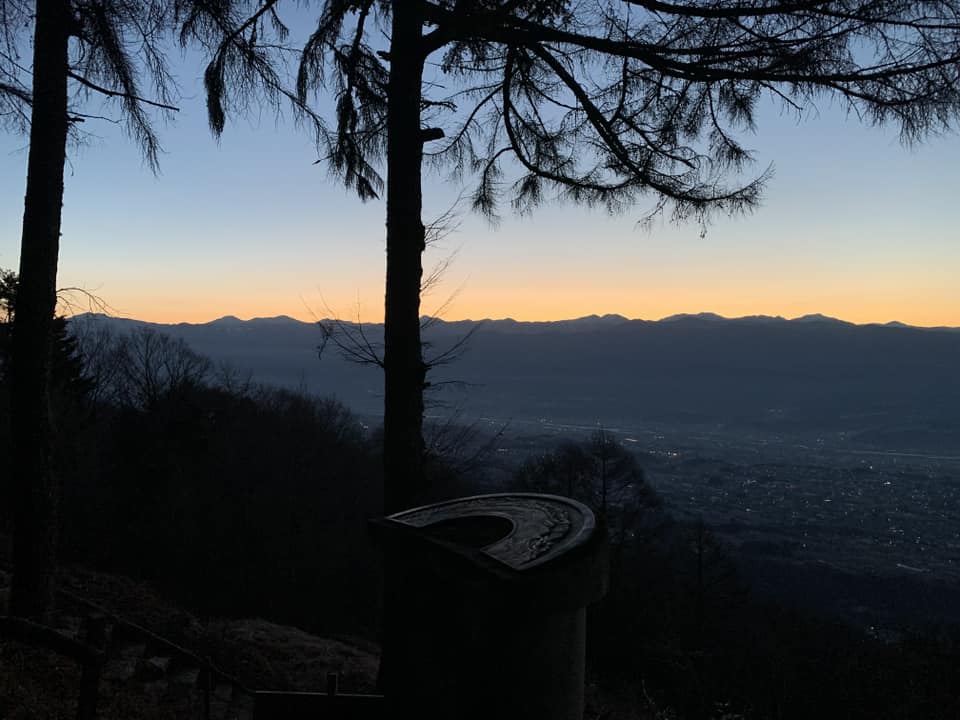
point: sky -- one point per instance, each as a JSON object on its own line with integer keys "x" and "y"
{"x": 852, "y": 225}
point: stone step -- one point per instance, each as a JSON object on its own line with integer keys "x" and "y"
{"x": 153, "y": 667}
{"x": 119, "y": 668}
{"x": 223, "y": 691}
{"x": 67, "y": 624}
{"x": 120, "y": 634}
{"x": 221, "y": 702}
{"x": 187, "y": 676}
{"x": 129, "y": 649}
{"x": 241, "y": 707}
{"x": 155, "y": 689}
{"x": 106, "y": 638}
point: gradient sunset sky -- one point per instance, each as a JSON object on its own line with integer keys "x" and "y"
{"x": 852, "y": 225}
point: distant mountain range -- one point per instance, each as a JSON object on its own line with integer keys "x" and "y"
{"x": 889, "y": 385}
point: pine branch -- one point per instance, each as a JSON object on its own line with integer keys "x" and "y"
{"x": 115, "y": 93}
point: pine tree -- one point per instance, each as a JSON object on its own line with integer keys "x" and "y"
{"x": 100, "y": 47}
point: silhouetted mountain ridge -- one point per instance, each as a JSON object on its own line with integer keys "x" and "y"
{"x": 504, "y": 324}
{"x": 897, "y": 385}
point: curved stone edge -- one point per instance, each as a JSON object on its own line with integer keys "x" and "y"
{"x": 557, "y": 526}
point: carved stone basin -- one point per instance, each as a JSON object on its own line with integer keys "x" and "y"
{"x": 520, "y": 530}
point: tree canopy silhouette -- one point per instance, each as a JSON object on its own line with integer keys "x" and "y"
{"x": 15, "y": 98}
{"x": 602, "y": 473}
{"x": 607, "y": 103}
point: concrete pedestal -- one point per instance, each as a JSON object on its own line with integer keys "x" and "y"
{"x": 485, "y": 606}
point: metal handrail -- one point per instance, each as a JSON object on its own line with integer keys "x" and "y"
{"x": 91, "y": 659}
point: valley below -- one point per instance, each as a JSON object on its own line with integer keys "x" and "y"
{"x": 826, "y": 454}
{"x": 869, "y": 536}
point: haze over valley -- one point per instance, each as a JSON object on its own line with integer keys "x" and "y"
{"x": 816, "y": 381}
{"x": 828, "y": 453}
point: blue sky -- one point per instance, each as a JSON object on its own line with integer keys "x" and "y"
{"x": 852, "y": 225}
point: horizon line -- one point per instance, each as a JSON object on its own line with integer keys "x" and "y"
{"x": 811, "y": 317}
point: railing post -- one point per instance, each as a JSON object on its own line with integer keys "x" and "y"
{"x": 96, "y": 640}
{"x": 207, "y": 683}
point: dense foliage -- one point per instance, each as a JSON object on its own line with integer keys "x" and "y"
{"x": 237, "y": 500}
{"x": 240, "y": 504}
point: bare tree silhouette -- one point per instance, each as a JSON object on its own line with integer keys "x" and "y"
{"x": 602, "y": 473}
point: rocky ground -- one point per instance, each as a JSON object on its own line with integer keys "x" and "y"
{"x": 155, "y": 652}
{"x": 159, "y": 658}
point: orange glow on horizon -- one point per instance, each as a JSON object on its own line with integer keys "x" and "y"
{"x": 531, "y": 306}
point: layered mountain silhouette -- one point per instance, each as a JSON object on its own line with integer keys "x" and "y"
{"x": 889, "y": 385}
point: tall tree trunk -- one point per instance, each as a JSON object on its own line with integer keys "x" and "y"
{"x": 34, "y": 484}
{"x": 404, "y": 369}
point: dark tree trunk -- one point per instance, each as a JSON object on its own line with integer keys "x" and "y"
{"x": 404, "y": 369}
{"x": 34, "y": 485}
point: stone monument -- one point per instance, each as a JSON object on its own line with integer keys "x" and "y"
{"x": 485, "y": 606}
